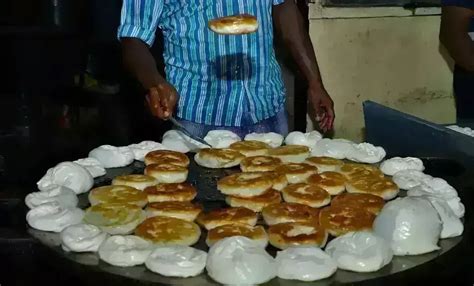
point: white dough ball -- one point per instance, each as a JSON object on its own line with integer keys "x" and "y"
{"x": 67, "y": 174}
{"x": 82, "y": 238}
{"x": 61, "y": 195}
{"x": 221, "y": 138}
{"x": 141, "y": 149}
{"x": 393, "y": 165}
{"x": 271, "y": 138}
{"x": 304, "y": 263}
{"x": 112, "y": 157}
{"x": 308, "y": 139}
{"x": 176, "y": 141}
{"x": 408, "y": 179}
{"x": 53, "y": 217}
{"x": 411, "y": 225}
{"x": 177, "y": 261}
{"x": 333, "y": 148}
{"x": 366, "y": 153}
{"x": 93, "y": 166}
{"x": 239, "y": 260}
{"x": 125, "y": 251}
{"x": 360, "y": 251}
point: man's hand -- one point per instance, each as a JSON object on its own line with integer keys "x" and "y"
{"x": 322, "y": 106}
{"x": 162, "y": 100}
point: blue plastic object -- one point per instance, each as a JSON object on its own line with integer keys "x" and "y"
{"x": 406, "y": 135}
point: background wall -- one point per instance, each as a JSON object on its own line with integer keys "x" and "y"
{"x": 387, "y": 55}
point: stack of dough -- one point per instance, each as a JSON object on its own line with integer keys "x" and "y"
{"x": 252, "y": 190}
{"x": 136, "y": 181}
{"x": 332, "y": 182}
{"x": 255, "y": 203}
{"x": 325, "y": 164}
{"x": 293, "y": 224}
{"x": 367, "y": 179}
{"x": 167, "y": 166}
{"x": 218, "y": 158}
{"x": 371, "y": 203}
{"x": 354, "y": 170}
{"x": 251, "y": 148}
{"x": 259, "y": 164}
{"x": 169, "y": 200}
{"x": 167, "y": 173}
{"x": 172, "y": 200}
{"x": 167, "y": 231}
{"x": 306, "y": 194}
{"x": 229, "y": 222}
{"x": 182, "y": 192}
{"x": 375, "y": 185}
{"x": 284, "y": 235}
{"x": 290, "y": 153}
{"x": 256, "y": 233}
{"x": 117, "y": 195}
{"x": 182, "y": 210}
{"x": 115, "y": 218}
{"x": 296, "y": 172}
{"x": 341, "y": 219}
{"x": 220, "y": 217}
{"x": 289, "y": 212}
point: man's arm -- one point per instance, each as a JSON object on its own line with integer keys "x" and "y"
{"x": 288, "y": 22}
{"x": 138, "y": 24}
{"x": 454, "y": 35}
{"x": 139, "y": 61}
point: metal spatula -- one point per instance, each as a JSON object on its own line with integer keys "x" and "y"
{"x": 183, "y": 129}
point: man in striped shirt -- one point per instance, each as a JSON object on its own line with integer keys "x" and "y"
{"x": 218, "y": 81}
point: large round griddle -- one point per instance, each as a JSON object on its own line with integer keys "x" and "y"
{"x": 205, "y": 181}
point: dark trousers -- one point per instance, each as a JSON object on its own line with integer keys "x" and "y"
{"x": 464, "y": 93}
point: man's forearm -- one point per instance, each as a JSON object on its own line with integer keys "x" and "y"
{"x": 289, "y": 25}
{"x": 454, "y": 36}
{"x": 140, "y": 62}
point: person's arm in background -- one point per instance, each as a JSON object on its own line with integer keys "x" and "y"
{"x": 454, "y": 35}
{"x": 136, "y": 37}
{"x": 289, "y": 24}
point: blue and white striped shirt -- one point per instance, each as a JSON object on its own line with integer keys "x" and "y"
{"x": 222, "y": 80}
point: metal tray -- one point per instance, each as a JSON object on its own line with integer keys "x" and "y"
{"x": 205, "y": 181}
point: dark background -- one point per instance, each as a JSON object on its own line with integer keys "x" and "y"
{"x": 63, "y": 90}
